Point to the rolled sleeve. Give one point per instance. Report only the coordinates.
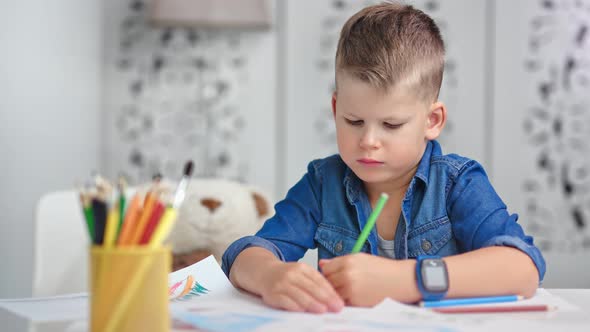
(290, 232)
(481, 219)
(232, 252)
(525, 245)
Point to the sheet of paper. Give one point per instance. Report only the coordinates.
(239, 311)
(569, 315)
(246, 313)
(243, 312)
(543, 296)
(200, 279)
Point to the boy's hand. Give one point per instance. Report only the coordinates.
(298, 287)
(365, 280)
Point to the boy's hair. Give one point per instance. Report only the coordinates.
(392, 44)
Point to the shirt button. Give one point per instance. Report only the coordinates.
(426, 245)
(338, 247)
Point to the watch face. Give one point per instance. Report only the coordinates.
(434, 275)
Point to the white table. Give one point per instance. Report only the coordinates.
(552, 321)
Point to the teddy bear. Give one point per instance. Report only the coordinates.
(215, 212)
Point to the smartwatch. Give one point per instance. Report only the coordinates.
(432, 277)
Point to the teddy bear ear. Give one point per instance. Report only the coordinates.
(262, 201)
(261, 204)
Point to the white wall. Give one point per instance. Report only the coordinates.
(50, 67)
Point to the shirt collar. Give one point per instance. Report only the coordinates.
(352, 184)
(423, 170)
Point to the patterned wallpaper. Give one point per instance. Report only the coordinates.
(557, 125)
(179, 98)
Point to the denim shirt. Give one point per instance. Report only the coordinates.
(450, 207)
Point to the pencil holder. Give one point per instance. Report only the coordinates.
(129, 289)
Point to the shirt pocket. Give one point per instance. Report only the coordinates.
(336, 240)
(429, 238)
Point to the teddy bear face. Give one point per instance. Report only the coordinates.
(216, 212)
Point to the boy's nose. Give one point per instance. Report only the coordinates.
(369, 140)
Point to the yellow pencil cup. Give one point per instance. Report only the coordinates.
(129, 289)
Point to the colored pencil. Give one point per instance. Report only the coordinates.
(492, 309)
(470, 300)
(131, 218)
(152, 223)
(99, 214)
(88, 214)
(112, 225)
(164, 228)
(148, 207)
(370, 223)
(122, 202)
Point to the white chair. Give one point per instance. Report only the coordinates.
(61, 245)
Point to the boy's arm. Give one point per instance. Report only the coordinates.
(492, 271)
(264, 264)
(365, 280)
(290, 232)
(483, 272)
(489, 271)
(480, 218)
(243, 275)
(290, 286)
(498, 258)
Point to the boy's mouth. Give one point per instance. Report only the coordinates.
(369, 162)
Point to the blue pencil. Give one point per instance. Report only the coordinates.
(470, 300)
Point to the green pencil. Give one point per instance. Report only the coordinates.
(88, 214)
(370, 223)
(122, 199)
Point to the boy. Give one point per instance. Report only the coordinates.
(444, 231)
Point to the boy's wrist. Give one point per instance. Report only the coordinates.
(250, 268)
(412, 293)
(404, 287)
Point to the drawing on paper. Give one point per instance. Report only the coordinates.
(235, 322)
(186, 289)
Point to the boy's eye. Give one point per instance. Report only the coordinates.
(392, 126)
(354, 122)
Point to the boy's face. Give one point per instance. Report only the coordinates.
(382, 135)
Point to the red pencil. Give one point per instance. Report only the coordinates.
(514, 308)
(152, 222)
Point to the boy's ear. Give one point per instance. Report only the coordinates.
(334, 103)
(436, 120)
